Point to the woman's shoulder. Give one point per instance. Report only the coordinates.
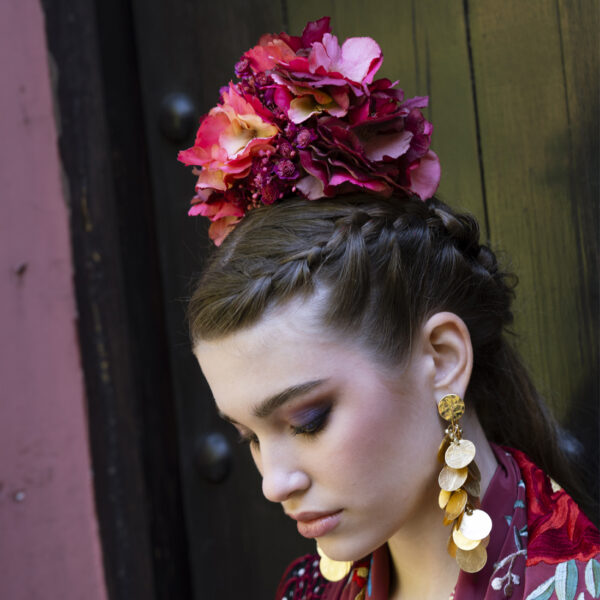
(302, 579)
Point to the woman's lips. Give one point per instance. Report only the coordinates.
(314, 525)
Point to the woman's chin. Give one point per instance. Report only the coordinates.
(345, 552)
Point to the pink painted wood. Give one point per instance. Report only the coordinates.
(49, 541)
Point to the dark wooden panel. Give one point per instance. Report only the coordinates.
(530, 156)
(119, 485)
(131, 413)
(192, 47)
(579, 25)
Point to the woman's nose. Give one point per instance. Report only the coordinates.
(282, 477)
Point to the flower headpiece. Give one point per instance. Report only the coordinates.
(307, 118)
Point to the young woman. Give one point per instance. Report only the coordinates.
(351, 328)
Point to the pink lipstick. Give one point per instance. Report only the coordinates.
(314, 525)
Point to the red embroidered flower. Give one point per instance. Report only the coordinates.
(558, 531)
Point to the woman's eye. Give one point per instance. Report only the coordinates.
(313, 425)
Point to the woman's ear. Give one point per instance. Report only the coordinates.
(448, 341)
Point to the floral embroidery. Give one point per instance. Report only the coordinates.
(563, 585)
(558, 530)
(303, 580)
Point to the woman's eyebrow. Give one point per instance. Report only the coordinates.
(268, 406)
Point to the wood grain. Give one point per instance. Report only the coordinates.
(527, 160)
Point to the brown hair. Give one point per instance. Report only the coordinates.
(386, 265)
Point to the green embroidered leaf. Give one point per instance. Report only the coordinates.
(592, 578)
(542, 591)
(566, 577)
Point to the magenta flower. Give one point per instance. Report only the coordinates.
(308, 117)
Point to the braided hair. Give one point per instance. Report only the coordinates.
(385, 266)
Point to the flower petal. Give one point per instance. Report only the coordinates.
(220, 229)
(314, 31)
(303, 108)
(361, 59)
(211, 178)
(270, 52)
(391, 145)
(425, 176)
(311, 186)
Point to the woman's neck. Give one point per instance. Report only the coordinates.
(421, 567)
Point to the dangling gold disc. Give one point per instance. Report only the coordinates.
(471, 561)
(448, 519)
(452, 548)
(451, 479)
(476, 526)
(459, 454)
(442, 449)
(474, 471)
(461, 541)
(451, 407)
(472, 486)
(456, 504)
(333, 570)
(443, 498)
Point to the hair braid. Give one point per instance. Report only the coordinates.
(385, 265)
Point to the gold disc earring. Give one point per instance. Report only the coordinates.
(333, 570)
(459, 481)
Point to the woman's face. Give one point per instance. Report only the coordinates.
(346, 446)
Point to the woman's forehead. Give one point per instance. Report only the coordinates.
(272, 352)
(282, 352)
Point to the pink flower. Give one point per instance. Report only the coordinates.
(228, 138)
(357, 60)
(381, 155)
(307, 117)
(270, 52)
(222, 209)
(280, 49)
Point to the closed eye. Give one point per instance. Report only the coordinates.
(314, 425)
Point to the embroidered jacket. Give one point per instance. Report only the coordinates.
(542, 547)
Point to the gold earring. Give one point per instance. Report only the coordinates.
(333, 570)
(459, 481)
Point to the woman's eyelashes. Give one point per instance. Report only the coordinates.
(312, 422)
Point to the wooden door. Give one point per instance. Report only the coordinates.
(239, 544)
(513, 90)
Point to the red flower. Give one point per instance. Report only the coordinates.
(228, 137)
(308, 117)
(558, 531)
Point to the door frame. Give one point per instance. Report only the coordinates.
(122, 336)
